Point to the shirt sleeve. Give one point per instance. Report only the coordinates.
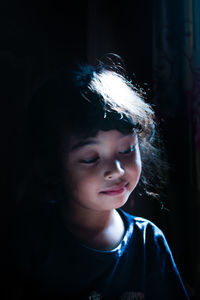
(163, 280)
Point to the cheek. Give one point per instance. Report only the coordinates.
(133, 166)
(138, 165)
(82, 179)
(137, 160)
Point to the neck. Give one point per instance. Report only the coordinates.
(86, 219)
(102, 230)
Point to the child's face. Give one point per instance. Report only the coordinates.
(102, 171)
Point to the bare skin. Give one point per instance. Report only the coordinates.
(100, 173)
(98, 230)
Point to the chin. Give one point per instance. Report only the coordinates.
(117, 203)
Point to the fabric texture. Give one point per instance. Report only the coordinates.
(52, 263)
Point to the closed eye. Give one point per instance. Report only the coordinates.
(128, 151)
(89, 161)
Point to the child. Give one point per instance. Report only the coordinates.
(92, 138)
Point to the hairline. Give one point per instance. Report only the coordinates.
(83, 142)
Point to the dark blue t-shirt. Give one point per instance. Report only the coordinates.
(53, 264)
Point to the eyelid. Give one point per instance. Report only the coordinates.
(89, 161)
(129, 150)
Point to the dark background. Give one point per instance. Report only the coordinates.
(37, 38)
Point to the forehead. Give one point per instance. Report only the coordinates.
(101, 137)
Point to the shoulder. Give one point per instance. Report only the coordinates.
(142, 224)
(145, 230)
(149, 242)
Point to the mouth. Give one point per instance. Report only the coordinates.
(115, 190)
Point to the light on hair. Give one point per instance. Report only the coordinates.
(119, 95)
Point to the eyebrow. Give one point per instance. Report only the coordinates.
(83, 144)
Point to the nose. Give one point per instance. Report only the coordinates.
(114, 171)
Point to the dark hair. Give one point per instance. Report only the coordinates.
(83, 102)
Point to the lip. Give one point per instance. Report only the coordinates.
(116, 189)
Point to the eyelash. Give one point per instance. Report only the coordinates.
(125, 152)
(90, 161)
(128, 151)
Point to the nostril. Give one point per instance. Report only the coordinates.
(114, 170)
